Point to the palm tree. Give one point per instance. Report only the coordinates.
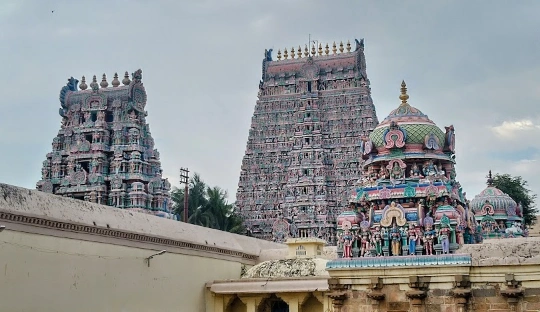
(197, 193)
(208, 207)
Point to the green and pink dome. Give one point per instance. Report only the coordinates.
(495, 203)
(407, 129)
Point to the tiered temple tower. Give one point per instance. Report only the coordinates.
(104, 152)
(303, 151)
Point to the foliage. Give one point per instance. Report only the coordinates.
(516, 188)
(207, 206)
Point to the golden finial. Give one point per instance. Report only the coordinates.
(299, 52)
(403, 96)
(334, 48)
(348, 46)
(115, 82)
(285, 54)
(292, 52)
(126, 80)
(341, 47)
(104, 83)
(320, 49)
(326, 49)
(279, 55)
(306, 52)
(313, 50)
(94, 85)
(83, 85)
(490, 179)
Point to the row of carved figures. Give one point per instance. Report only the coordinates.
(371, 242)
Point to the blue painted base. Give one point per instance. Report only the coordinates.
(403, 261)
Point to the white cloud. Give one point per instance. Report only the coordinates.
(510, 129)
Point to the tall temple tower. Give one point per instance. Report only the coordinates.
(104, 152)
(303, 151)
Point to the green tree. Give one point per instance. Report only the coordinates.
(516, 188)
(207, 206)
(196, 198)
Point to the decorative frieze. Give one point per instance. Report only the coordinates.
(118, 234)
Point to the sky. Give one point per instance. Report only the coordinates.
(474, 64)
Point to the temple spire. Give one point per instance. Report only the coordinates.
(403, 96)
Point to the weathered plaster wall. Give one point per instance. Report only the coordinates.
(44, 273)
(437, 300)
(59, 254)
(31, 202)
(504, 251)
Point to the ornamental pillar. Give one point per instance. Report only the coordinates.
(338, 293)
(252, 302)
(376, 295)
(513, 293)
(461, 292)
(417, 294)
(294, 300)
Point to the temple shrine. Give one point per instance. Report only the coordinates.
(302, 155)
(104, 152)
(497, 214)
(408, 201)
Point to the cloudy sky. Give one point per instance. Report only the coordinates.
(474, 64)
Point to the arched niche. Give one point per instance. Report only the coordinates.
(312, 304)
(236, 305)
(273, 304)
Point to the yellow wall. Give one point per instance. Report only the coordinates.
(45, 273)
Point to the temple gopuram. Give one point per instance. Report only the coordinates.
(302, 155)
(408, 201)
(104, 152)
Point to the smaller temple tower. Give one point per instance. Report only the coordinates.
(497, 214)
(408, 201)
(104, 152)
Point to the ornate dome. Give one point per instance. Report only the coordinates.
(288, 268)
(494, 202)
(415, 125)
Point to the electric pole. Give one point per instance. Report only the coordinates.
(184, 179)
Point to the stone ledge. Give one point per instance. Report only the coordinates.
(63, 215)
(117, 234)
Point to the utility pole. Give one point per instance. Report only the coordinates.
(184, 179)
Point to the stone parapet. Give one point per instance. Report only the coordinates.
(41, 213)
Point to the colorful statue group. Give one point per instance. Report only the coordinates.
(410, 239)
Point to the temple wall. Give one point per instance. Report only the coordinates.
(60, 254)
(494, 286)
(62, 274)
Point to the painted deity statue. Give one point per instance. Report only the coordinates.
(347, 240)
(416, 171)
(444, 239)
(430, 169)
(395, 235)
(397, 172)
(377, 242)
(364, 244)
(429, 237)
(460, 237)
(413, 238)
